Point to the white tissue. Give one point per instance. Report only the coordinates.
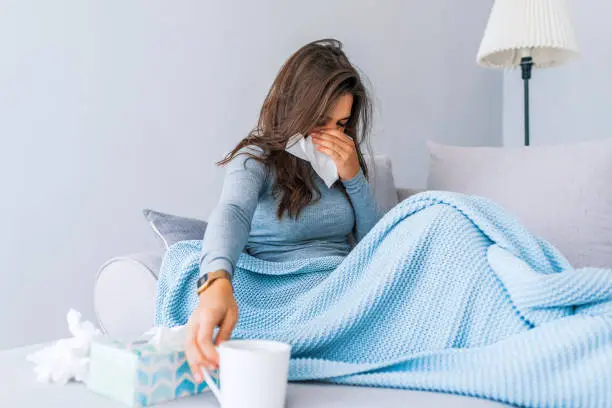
(168, 338)
(67, 359)
(322, 164)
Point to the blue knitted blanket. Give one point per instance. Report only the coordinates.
(446, 293)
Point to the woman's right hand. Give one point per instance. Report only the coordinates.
(217, 308)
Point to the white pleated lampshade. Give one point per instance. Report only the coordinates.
(540, 29)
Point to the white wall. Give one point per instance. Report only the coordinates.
(569, 103)
(107, 107)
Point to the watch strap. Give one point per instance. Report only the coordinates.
(208, 278)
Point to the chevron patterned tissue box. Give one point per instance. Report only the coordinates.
(139, 373)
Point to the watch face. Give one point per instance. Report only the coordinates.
(202, 280)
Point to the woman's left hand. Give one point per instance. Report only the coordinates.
(341, 148)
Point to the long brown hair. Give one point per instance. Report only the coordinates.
(305, 89)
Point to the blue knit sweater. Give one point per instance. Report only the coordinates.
(245, 219)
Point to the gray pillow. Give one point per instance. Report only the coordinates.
(173, 228)
(562, 193)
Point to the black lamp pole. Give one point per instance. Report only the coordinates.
(526, 65)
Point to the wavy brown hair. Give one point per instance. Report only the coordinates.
(306, 88)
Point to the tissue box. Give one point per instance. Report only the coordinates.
(140, 374)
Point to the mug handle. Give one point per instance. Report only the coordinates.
(211, 384)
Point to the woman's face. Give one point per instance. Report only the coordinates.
(339, 115)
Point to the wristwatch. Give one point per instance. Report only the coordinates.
(208, 278)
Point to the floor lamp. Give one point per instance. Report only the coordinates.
(528, 33)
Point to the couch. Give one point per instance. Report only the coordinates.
(573, 178)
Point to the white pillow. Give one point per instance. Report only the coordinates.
(381, 179)
(133, 280)
(562, 193)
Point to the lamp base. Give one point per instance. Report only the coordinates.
(526, 66)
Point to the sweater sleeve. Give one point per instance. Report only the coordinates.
(367, 211)
(229, 225)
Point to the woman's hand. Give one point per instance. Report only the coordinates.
(341, 148)
(217, 308)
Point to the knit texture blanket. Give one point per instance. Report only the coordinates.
(446, 293)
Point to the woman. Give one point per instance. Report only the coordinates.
(275, 204)
(445, 292)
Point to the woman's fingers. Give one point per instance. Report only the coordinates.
(225, 331)
(205, 340)
(336, 136)
(194, 355)
(342, 147)
(331, 153)
(332, 145)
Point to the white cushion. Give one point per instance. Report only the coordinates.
(562, 193)
(124, 295)
(381, 179)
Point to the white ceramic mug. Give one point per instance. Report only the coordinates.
(252, 373)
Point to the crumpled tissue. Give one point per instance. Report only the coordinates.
(67, 359)
(322, 164)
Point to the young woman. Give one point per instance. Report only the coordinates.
(273, 204)
(445, 292)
